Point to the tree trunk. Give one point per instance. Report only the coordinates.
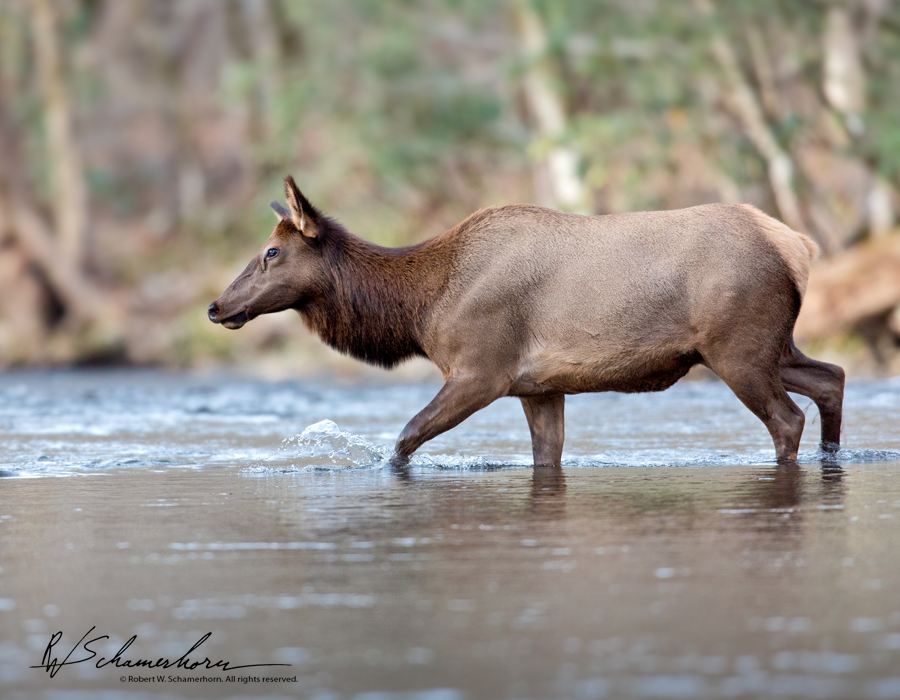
(844, 86)
(19, 218)
(743, 103)
(548, 111)
(69, 191)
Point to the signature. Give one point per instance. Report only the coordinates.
(52, 664)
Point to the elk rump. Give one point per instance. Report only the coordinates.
(525, 301)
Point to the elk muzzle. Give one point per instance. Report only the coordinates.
(232, 322)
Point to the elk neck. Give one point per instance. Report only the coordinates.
(375, 301)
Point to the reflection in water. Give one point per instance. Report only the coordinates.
(833, 486)
(548, 493)
(787, 489)
(783, 488)
(724, 582)
(832, 473)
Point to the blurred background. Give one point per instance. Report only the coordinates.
(141, 141)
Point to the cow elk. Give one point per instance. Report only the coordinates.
(529, 302)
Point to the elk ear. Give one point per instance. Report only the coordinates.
(304, 215)
(279, 210)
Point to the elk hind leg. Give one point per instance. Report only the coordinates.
(821, 382)
(762, 392)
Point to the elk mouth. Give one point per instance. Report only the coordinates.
(232, 323)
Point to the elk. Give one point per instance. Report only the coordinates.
(525, 301)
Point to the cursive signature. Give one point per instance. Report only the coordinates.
(52, 664)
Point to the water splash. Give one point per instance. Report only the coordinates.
(324, 444)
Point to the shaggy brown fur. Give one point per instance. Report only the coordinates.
(373, 304)
(530, 302)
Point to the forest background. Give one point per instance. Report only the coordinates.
(141, 141)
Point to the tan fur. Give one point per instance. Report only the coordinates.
(796, 248)
(529, 302)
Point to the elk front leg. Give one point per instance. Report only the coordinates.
(546, 421)
(458, 399)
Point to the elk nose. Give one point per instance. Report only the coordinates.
(212, 311)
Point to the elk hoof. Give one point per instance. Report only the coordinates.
(398, 462)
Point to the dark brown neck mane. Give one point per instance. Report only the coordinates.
(375, 300)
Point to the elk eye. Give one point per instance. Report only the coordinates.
(271, 253)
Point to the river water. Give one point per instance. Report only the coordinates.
(669, 558)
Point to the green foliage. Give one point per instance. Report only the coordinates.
(400, 117)
(372, 77)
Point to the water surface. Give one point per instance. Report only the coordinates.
(670, 557)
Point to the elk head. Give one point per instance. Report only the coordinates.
(284, 272)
